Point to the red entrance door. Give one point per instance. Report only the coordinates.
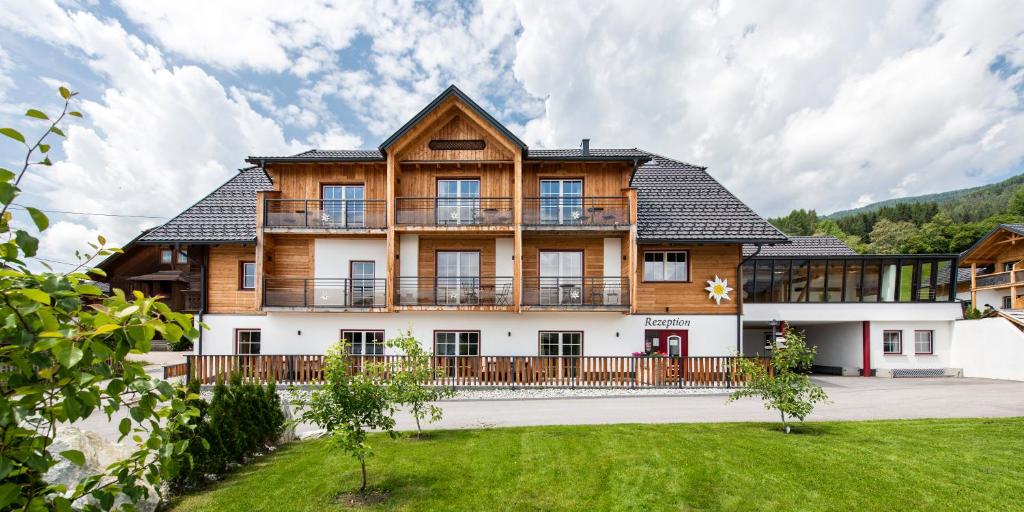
(668, 342)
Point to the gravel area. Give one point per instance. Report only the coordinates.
(537, 394)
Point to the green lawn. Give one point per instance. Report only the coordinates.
(880, 465)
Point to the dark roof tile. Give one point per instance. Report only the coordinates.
(805, 246)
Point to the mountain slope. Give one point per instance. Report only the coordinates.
(990, 198)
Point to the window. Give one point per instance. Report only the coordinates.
(165, 256)
(458, 277)
(362, 283)
(182, 257)
(458, 201)
(1007, 302)
(561, 201)
(1008, 266)
(364, 343)
(561, 344)
(247, 280)
(561, 277)
(665, 266)
(457, 343)
(923, 342)
(247, 341)
(892, 342)
(342, 205)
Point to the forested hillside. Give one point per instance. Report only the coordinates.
(936, 223)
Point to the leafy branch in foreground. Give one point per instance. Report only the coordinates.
(64, 357)
(409, 378)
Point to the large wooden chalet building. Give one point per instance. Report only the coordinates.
(454, 229)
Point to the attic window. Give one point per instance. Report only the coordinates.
(456, 145)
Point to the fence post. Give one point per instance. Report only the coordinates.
(679, 372)
(512, 370)
(188, 370)
(632, 371)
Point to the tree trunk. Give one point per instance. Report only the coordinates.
(785, 427)
(362, 463)
(419, 431)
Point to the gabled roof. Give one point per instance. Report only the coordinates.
(809, 246)
(681, 202)
(320, 155)
(976, 249)
(228, 214)
(448, 93)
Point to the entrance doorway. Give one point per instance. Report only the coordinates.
(670, 342)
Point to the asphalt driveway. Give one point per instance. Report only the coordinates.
(852, 398)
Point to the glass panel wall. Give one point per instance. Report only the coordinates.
(851, 279)
(853, 291)
(780, 281)
(835, 281)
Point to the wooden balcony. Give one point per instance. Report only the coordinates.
(323, 294)
(454, 292)
(999, 280)
(576, 293)
(322, 215)
(567, 212)
(454, 212)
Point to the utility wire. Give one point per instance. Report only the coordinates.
(97, 214)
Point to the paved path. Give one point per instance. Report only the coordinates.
(853, 398)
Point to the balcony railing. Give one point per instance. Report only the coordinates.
(325, 213)
(998, 279)
(454, 291)
(298, 292)
(453, 211)
(576, 292)
(575, 211)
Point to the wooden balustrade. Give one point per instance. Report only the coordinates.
(484, 371)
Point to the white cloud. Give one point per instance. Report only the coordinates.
(156, 140)
(811, 105)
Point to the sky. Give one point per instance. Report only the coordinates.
(824, 105)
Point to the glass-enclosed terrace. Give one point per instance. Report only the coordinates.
(863, 278)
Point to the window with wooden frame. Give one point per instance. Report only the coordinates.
(247, 341)
(566, 344)
(183, 257)
(924, 342)
(892, 342)
(247, 275)
(364, 343)
(457, 343)
(666, 266)
(166, 256)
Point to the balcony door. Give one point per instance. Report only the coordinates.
(458, 278)
(458, 201)
(361, 279)
(343, 205)
(561, 277)
(561, 201)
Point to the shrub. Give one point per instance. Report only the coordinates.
(240, 421)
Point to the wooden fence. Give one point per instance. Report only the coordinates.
(487, 371)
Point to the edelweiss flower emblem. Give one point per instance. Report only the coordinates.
(718, 289)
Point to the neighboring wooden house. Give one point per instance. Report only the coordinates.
(156, 270)
(996, 269)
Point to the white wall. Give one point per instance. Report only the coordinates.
(989, 348)
(846, 312)
(941, 345)
(504, 254)
(603, 333)
(331, 257)
(612, 257)
(839, 344)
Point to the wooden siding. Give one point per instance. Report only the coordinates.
(288, 255)
(705, 263)
(600, 179)
(455, 125)
(429, 246)
(420, 180)
(223, 280)
(304, 181)
(592, 247)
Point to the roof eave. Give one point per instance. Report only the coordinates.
(195, 242)
(302, 160)
(729, 241)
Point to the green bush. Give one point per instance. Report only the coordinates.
(240, 421)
